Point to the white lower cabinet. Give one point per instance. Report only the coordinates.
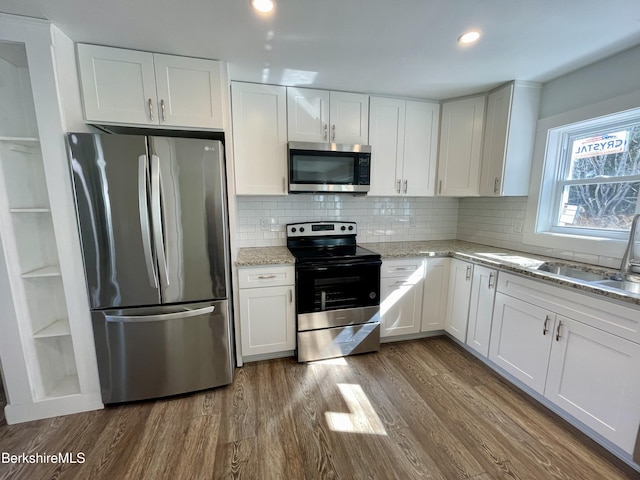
(267, 310)
(593, 376)
(434, 300)
(521, 340)
(401, 290)
(458, 298)
(483, 290)
(586, 371)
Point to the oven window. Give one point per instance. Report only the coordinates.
(319, 169)
(337, 287)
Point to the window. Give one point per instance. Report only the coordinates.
(592, 177)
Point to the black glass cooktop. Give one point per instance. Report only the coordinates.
(341, 252)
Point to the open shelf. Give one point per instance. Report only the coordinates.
(30, 210)
(57, 369)
(69, 385)
(24, 141)
(59, 328)
(48, 271)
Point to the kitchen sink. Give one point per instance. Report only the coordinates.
(571, 272)
(626, 285)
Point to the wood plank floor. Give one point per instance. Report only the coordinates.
(420, 409)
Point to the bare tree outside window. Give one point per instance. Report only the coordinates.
(601, 185)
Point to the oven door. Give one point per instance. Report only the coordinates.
(337, 285)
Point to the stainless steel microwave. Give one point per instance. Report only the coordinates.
(329, 168)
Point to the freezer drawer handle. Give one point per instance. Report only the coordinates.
(159, 318)
(144, 220)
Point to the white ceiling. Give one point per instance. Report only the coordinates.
(405, 48)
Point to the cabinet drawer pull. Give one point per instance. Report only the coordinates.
(150, 110)
(404, 269)
(440, 187)
(406, 184)
(398, 187)
(496, 183)
(468, 275)
(164, 116)
(333, 132)
(558, 331)
(326, 130)
(491, 282)
(290, 296)
(266, 277)
(545, 330)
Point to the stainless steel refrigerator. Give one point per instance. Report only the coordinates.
(153, 222)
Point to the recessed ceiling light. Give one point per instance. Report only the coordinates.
(467, 38)
(263, 6)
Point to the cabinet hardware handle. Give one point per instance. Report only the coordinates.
(326, 129)
(491, 283)
(266, 277)
(398, 187)
(468, 276)
(290, 296)
(406, 183)
(558, 331)
(495, 185)
(150, 110)
(400, 282)
(440, 187)
(284, 185)
(164, 116)
(545, 330)
(402, 269)
(333, 131)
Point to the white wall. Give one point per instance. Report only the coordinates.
(612, 77)
(380, 219)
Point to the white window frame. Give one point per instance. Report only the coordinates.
(537, 232)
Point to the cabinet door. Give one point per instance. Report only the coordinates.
(434, 300)
(521, 337)
(458, 297)
(461, 147)
(495, 140)
(483, 289)
(259, 138)
(267, 320)
(307, 115)
(118, 86)
(386, 132)
(420, 148)
(349, 115)
(593, 375)
(400, 306)
(189, 91)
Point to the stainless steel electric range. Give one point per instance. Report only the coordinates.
(337, 291)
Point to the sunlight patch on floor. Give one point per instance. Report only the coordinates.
(362, 419)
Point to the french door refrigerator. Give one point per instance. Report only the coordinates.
(153, 223)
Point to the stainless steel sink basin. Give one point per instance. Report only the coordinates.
(571, 272)
(625, 285)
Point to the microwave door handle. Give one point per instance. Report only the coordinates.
(143, 208)
(156, 215)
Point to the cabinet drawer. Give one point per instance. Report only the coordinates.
(267, 276)
(412, 268)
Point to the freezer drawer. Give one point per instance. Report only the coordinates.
(154, 352)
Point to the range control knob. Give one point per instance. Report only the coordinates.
(294, 230)
(301, 229)
(343, 228)
(350, 227)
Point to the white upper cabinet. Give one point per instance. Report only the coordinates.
(131, 87)
(510, 127)
(461, 129)
(259, 138)
(327, 117)
(404, 137)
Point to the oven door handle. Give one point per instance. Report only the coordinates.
(320, 267)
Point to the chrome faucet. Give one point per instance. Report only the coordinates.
(629, 259)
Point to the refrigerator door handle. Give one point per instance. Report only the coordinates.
(156, 215)
(159, 318)
(144, 220)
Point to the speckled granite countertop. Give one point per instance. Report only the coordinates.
(256, 256)
(507, 260)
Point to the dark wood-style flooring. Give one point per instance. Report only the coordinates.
(418, 409)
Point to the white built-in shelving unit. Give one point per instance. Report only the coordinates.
(47, 355)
